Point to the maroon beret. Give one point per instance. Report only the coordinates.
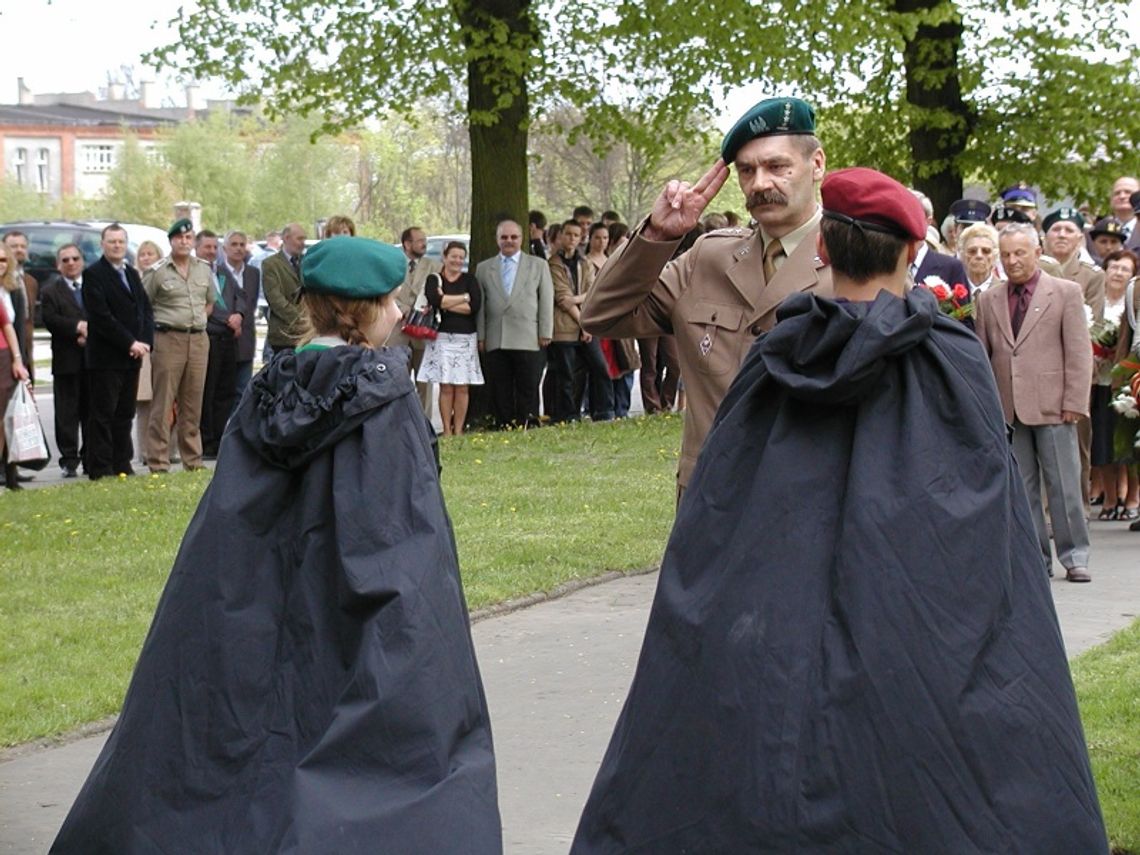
(866, 198)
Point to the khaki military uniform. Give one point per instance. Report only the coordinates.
(714, 299)
(178, 362)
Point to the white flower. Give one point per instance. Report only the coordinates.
(1126, 405)
(1089, 319)
(932, 281)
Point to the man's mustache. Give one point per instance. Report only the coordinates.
(766, 197)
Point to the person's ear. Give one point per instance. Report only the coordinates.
(821, 249)
(912, 252)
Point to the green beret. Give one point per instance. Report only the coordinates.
(770, 117)
(180, 227)
(1068, 215)
(353, 267)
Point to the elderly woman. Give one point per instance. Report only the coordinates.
(309, 682)
(1114, 472)
(978, 251)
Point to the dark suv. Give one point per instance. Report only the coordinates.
(44, 238)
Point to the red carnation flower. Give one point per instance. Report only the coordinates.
(941, 292)
(960, 292)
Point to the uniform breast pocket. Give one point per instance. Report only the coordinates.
(712, 333)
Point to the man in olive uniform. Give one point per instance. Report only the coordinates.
(1064, 237)
(722, 293)
(181, 291)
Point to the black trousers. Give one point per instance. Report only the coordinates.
(567, 360)
(70, 393)
(218, 393)
(110, 413)
(512, 379)
(660, 372)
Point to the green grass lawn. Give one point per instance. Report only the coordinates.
(83, 564)
(1108, 691)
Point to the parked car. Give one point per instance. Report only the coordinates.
(436, 243)
(45, 238)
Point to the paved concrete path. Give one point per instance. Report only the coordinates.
(556, 675)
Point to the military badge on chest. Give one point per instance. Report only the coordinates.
(705, 344)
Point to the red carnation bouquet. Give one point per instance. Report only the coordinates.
(953, 300)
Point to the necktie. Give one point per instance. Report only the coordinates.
(508, 274)
(296, 262)
(772, 251)
(1019, 309)
(77, 290)
(411, 268)
(123, 278)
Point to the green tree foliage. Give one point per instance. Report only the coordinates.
(928, 90)
(140, 188)
(213, 162)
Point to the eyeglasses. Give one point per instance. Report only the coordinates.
(71, 258)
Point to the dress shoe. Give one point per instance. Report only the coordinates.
(1135, 526)
(1077, 574)
(69, 472)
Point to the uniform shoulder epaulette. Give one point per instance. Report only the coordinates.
(1048, 259)
(1089, 264)
(200, 260)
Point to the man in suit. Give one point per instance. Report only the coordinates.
(418, 269)
(515, 323)
(722, 293)
(223, 329)
(1120, 200)
(1033, 327)
(281, 279)
(120, 331)
(571, 346)
(930, 264)
(61, 299)
(248, 278)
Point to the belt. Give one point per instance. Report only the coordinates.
(169, 328)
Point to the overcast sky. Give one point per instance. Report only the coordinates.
(70, 45)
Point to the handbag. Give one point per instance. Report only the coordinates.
(422, 320)
(27, 442)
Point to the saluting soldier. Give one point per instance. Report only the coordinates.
(720, 295)
(181, 290)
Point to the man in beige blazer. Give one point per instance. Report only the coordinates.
(721, 294)
(1033, 327)
(515, 324)
(419, 267)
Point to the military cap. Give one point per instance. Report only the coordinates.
(969, 211)
(1134, 200)
(353, 267)
(1002, 214)
(1067, 215)
(1108, 226)
(868, 199)
(1019, 194)
(180, 227)
(770, 117)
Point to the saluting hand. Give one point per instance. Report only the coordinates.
(679, 207)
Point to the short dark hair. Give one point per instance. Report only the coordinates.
(611, 215)
(455, 244)
(573, 223)
(406, 234)
(617, 232)
(1126, 254)
(537, 218)
(14, 233)
(583, 211)
(74, 246)
(861, 253)
(599, 227)
(114, 227)
(202, 235)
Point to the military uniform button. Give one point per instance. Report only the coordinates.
(756, 329)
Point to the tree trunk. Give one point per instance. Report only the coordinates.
(941, 123)
(498, 120)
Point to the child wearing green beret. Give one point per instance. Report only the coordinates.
(309, 682)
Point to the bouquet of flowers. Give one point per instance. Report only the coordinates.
(1126, 437)
(1105, 334)
(953, 301)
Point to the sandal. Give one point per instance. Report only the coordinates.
(1128, 514)
(1106, 514)
(1099, 500)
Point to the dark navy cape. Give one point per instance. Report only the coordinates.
(309, 683)
(852, 648)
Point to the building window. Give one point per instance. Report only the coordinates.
(98, 158)
(43, 170)
(21, 166)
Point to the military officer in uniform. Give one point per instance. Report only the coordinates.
(722, 293)
(181, 290)
(1064, 238)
